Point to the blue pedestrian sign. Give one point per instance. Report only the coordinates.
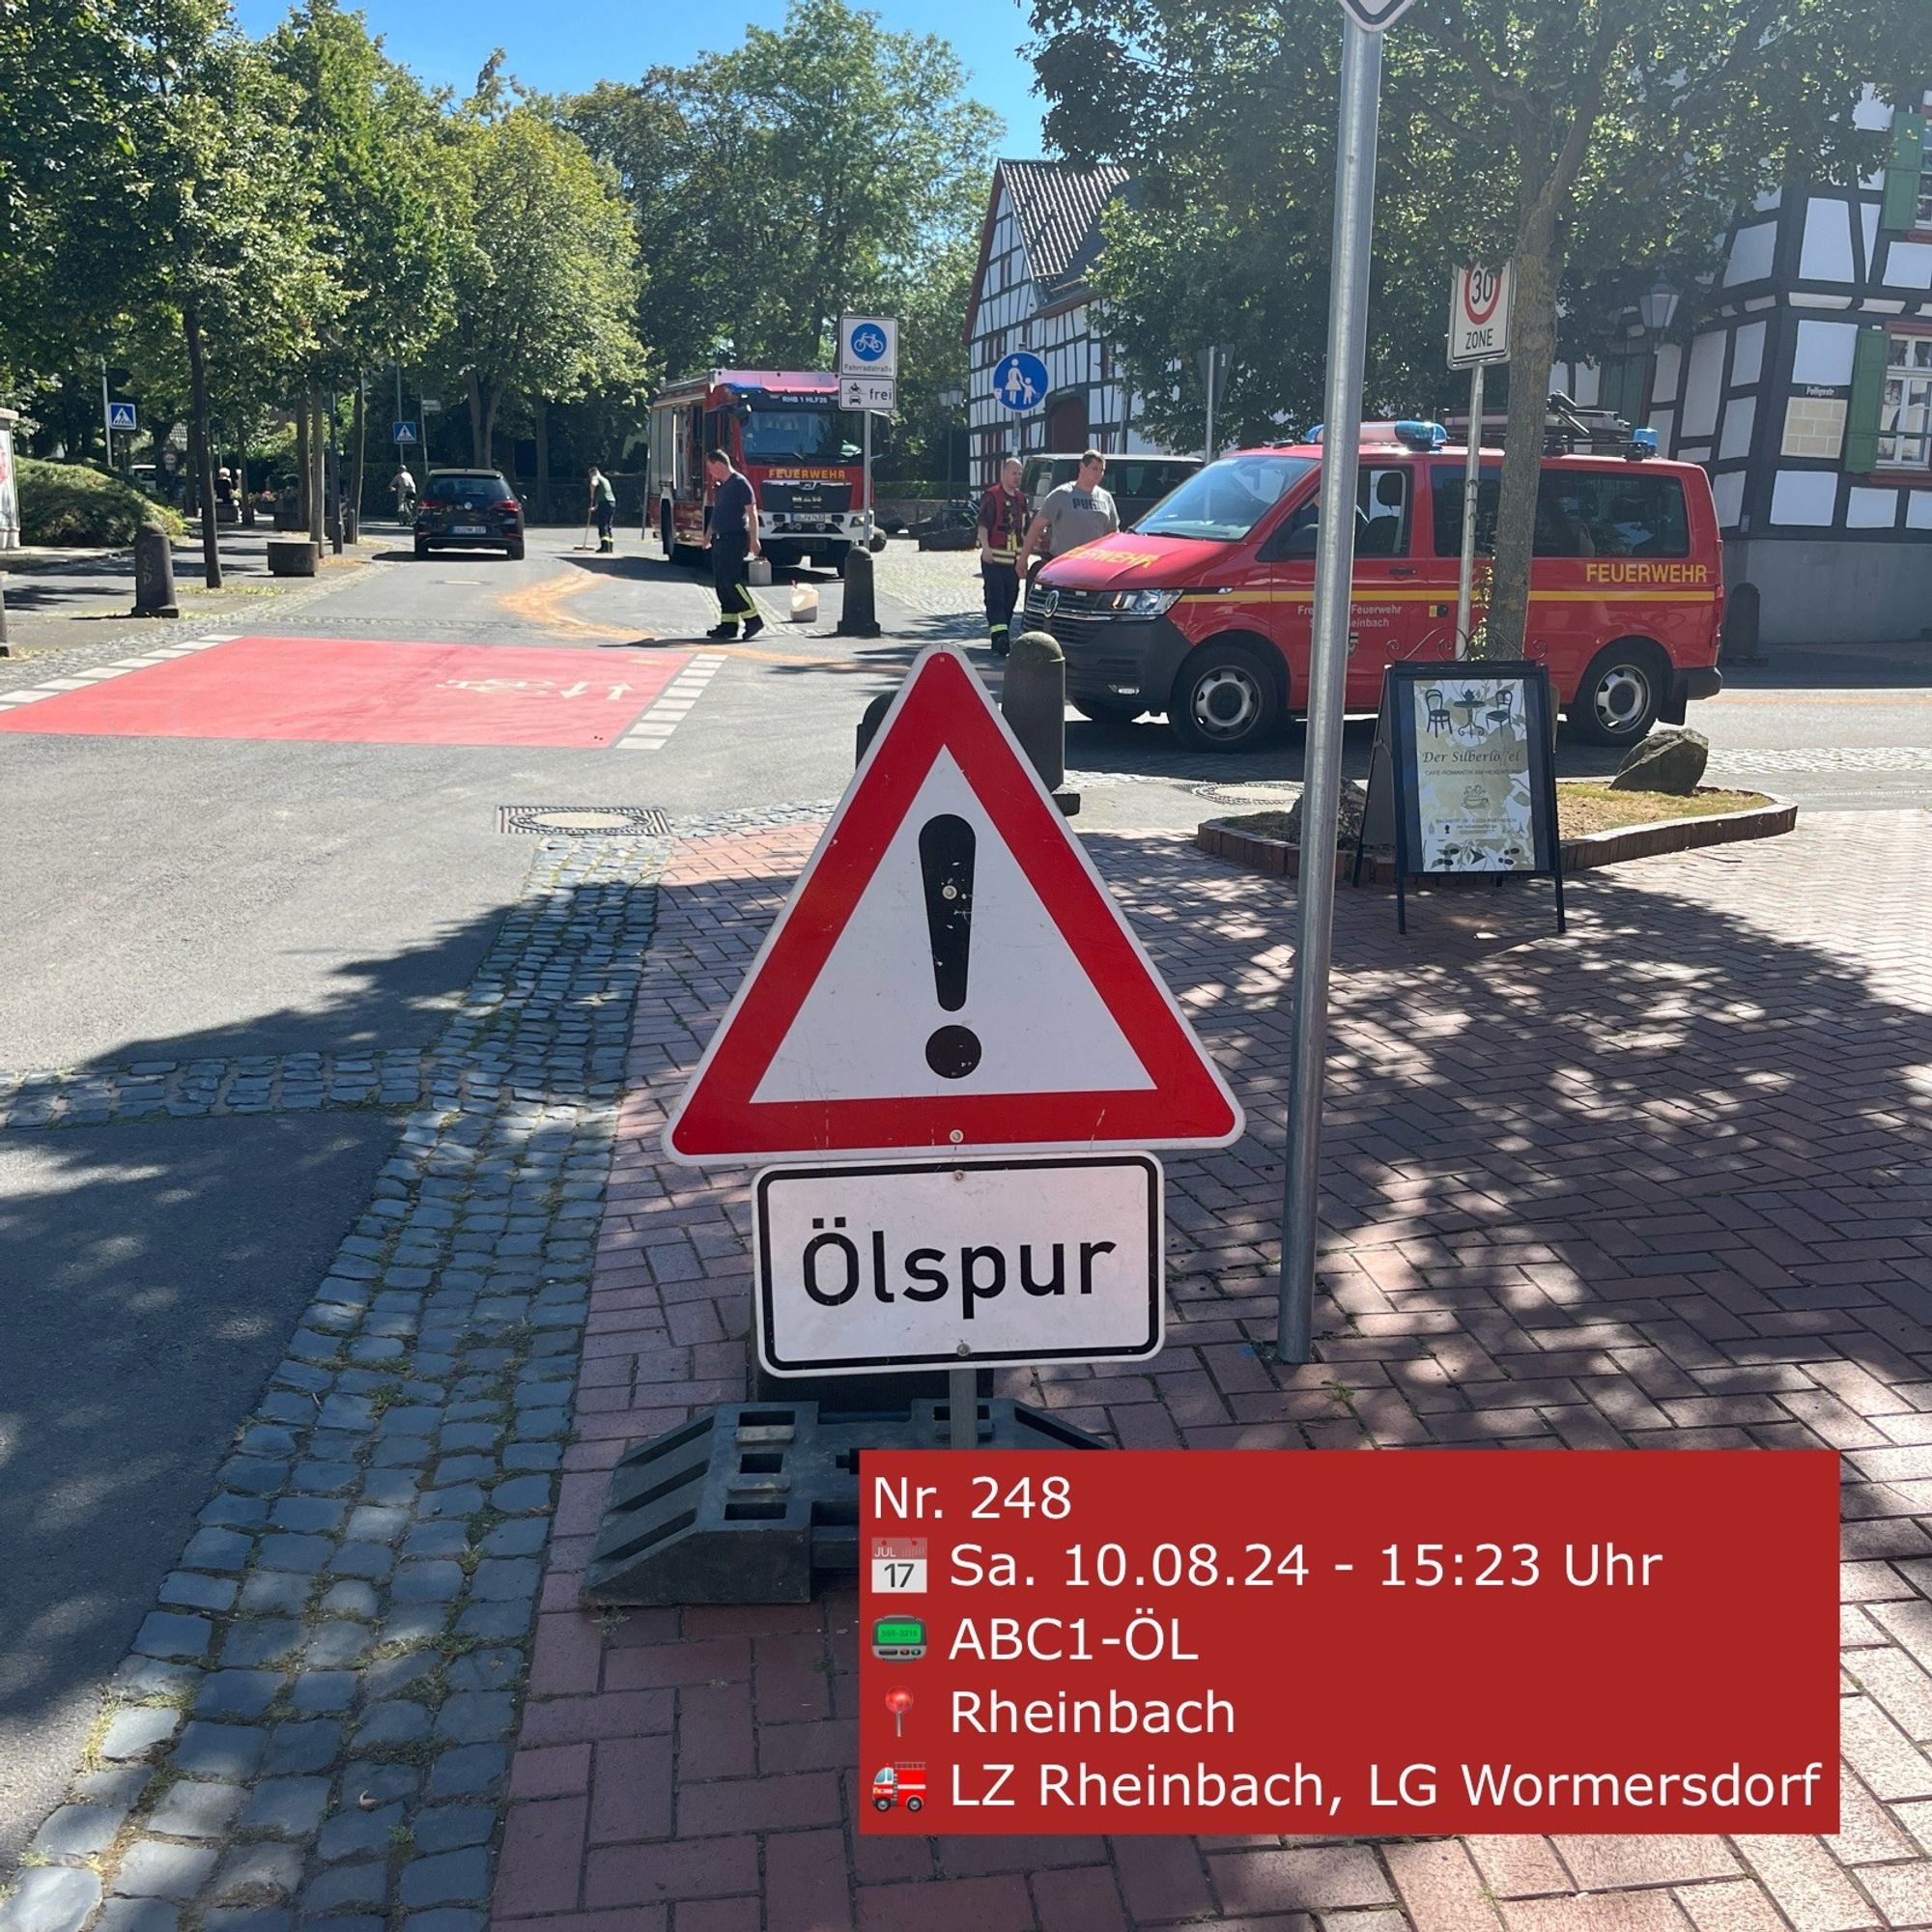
(1019, 383)
(401, 432)
(120, 415)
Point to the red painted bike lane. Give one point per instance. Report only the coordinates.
(343, 691)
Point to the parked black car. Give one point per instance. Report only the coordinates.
(468, 509)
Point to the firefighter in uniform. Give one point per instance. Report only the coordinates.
(732, 539)
(1003, 522)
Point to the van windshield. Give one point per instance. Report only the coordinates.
(1228, 499)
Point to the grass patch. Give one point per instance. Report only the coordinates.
(1580, 808)
(1594, 806)
(74, 505)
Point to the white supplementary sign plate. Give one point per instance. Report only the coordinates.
(941, 1263)
(878, 395)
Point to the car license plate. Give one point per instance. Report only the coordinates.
(468, 530)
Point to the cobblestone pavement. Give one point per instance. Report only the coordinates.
(316, 1719)
(1664, 1183)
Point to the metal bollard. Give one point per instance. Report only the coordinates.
(860, 616)
(1033, 702)
(154, 573)
(6, 645)
(869, 724)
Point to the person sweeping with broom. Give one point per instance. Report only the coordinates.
(604, 507)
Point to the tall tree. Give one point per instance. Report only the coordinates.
(1589, 141)
(544, 270)
(372, 143)
(226, 243)
(829, 165)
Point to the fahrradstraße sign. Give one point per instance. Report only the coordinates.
(1479, 316)
(868, 345)
(1373, 15)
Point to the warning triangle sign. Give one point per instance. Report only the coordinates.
(949, 973)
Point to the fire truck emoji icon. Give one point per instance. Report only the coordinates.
(899, 1784)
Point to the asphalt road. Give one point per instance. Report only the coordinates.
(153, 1271)
(185, 896)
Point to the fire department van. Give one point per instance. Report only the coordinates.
(1203, 610)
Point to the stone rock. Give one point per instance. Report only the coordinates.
(1349, 822)
(1671, 760)
(51, 1898)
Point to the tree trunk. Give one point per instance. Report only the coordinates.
(332, 480)
(204, 449)
(543, 460)
(1532, 350)
(241, 495)
(318, 494)
(477, 457)
(490, 427)
(302, 463)
(360, 471)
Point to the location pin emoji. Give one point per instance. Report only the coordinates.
(898, 1703)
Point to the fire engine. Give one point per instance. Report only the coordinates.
(901, 1784)
(786, 432)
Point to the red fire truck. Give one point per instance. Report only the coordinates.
(786, 432)
(899, 1784)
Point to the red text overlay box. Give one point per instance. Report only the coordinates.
(1332, 1642)
(347, 691)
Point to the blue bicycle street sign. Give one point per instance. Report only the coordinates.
(1020, 383)
(868, 345)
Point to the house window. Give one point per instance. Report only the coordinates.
(1905, 413)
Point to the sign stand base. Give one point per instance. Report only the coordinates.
(753, 1502)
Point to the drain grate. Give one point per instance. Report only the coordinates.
(583, 821)
(1256, 793)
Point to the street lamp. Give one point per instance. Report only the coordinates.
(950, 399)
(1657, 305)
(1655, 308)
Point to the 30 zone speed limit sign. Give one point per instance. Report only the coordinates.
(1479, 313)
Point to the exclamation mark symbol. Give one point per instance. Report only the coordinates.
(946, 860)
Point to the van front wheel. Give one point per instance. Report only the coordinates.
(1620, 693)
(1226, 698)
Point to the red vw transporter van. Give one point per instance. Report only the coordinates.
(1203, 610)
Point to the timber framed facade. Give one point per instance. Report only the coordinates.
(1040, 237)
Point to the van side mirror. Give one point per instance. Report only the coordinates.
(1301, 541)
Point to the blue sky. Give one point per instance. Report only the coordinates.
(569, 45)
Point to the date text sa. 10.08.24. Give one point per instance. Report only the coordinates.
(1422, 1566)
(1171, 1564)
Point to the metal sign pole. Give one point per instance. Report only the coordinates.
(865, 465)
(106, 414)
(1472, 476)
(1321, 766)
(1213, 356)
(962, 1403)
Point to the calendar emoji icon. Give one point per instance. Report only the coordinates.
(898, 1563)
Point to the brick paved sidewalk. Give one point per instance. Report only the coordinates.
(1666, 1183)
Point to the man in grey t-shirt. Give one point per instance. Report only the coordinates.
(1073, 514)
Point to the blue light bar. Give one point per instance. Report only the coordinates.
(1644, 441)
(1421, 435)
(1314, 434)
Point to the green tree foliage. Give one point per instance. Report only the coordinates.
(544, 270)
(1591, 141)
(831, 165)
(371, 143)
